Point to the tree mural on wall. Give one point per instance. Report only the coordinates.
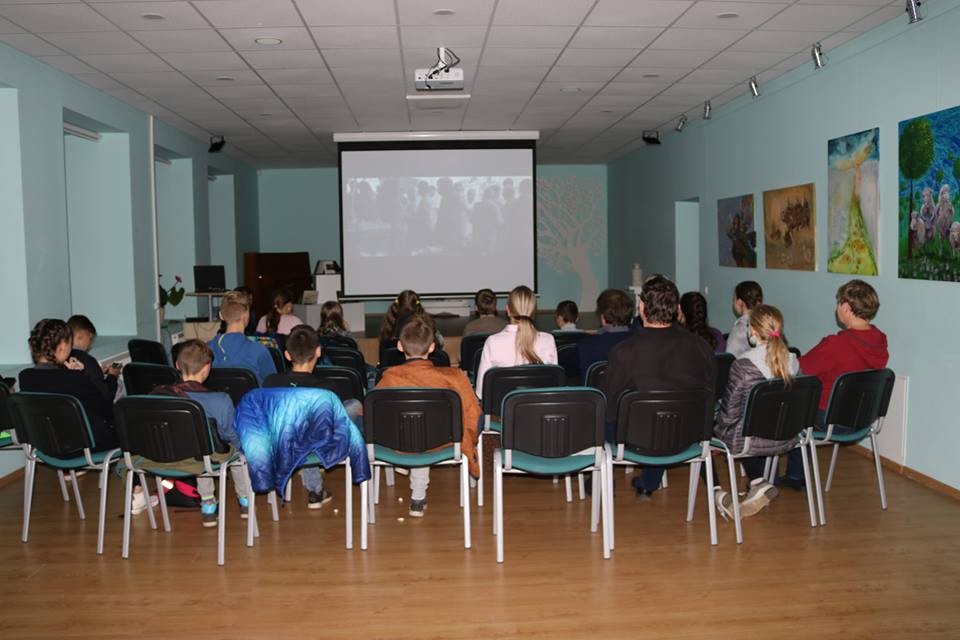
(571, 229)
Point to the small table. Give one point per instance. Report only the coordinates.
(209, 295)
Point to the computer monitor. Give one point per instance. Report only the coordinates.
(210, 278)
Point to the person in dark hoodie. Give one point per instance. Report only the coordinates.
(859, 346)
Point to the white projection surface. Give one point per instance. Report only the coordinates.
(438, 221)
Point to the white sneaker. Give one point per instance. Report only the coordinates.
(760, 494)
(139, 504)
(724, 503)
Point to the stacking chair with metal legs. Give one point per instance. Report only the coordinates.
(141, 378)
(556, 431)
(780, 412)
(148, 351)
(170, 437)
(659, 428)
(53, 429)
(858, 405)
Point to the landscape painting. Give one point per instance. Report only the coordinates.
(736, 232)
(790, 228)
(929, 242)
(853, 203)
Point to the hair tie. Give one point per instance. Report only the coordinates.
(774, 334)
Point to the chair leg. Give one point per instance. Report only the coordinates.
(833, 464)
(253, 526)
(568, 484)
(711, 501)
(104, 482)
(372, 496)
(63, 486)
(376, 486)
(812, 464)
(766, 467)
(595, 501)
(163, 505)
(605, 511)
(127, 499)
(692, 490)
(146, 494)
(774, 463)
(222, 515)
(348, 498)
(876, 460)
(273, 499)
(498, 503)
(581, 486)
(288, 491)
(465, 491)
(480, 477)
(734, 497)
(28, 476)
(390, 476)
(612, 511)
(815, 464)
(664, 482)
(76, 494)
(364, 513)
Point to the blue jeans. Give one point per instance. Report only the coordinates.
(795, 458)
(312, 477)
(650, 477)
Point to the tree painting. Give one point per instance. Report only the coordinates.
(929, 228)
(853, 197)
(736, 232)
(571, 229)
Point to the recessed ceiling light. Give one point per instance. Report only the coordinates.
(651, 75)
(226, 78)
(606, 110)
(728, 15)
(265, 114)
(443, 12)
(570, 89)
(153, 16)
(268, 41)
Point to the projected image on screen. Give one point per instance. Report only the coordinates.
(437, 220)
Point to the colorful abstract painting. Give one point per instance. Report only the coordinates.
(789, 228)
(736, 232)
(929, 242)
(853, 203)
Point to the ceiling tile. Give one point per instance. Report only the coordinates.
(615, 37)
(531, 75)
(556, 12)
(363, 58)
(221, 60)
(605, 101)
(506, 57)
(56, 18)
(751, 61)
(153, 79)
(368, 37)
(778, 41)
(586, 89)
(718, 76)
(283, 59)
(30, 44)
(95, 42)
(704, 89)
(433, 37)
(582, 74)
(651, 74)
(126, 62)
(8, 27)
(372, 75)
(293, 38)
(877, 18)
(347, 12)
(182, 41)
(306, 90)
(634, 89)
(874, 3)
(596, 57)
(671, 58)
(248, 91)
(421, 58)
(676, 103)
(704, 15)
(818, 17)
(131, 96)
(249, 13)
(697, 39)
(631, 13)
(296, 76)
(525, 37)
(466, 12)
(837, 39)
(129, 15)
(98, 80)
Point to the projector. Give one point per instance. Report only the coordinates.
(450, 79)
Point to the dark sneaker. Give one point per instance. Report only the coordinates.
(317, 500)
(797, 484)
(244, 507)
(208, 513)
(417, 507)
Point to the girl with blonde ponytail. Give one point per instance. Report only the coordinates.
(767, 358)
(519, 342)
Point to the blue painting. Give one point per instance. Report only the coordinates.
(736, 232)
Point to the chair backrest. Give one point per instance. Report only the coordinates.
(595, 375)
(724, 362)
(163, 429)
(568, 337)
(278, 360)
(569, 358)
(391, 357)
(6, 422)
(149, 351)
(343, 381)
(663, 423)
(776, 411)
(140, 378)
(553, 423)
(412, 420)
(334, 340)
(351, 358)
(500, 381)
(233, 381)
(439, 358)
(53, 423)
(860, 398)
(470, 345)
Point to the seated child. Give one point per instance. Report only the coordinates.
(280, 318)
(487, 319)
(416, 342)
(194, 361)
(747, 295)
(615, 310)
(232, 349)
(332, 322)
(693, 316)
(84, 333)
(567, 315)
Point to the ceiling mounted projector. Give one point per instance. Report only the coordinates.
(442, 76)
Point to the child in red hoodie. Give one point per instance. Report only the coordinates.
(859, 346)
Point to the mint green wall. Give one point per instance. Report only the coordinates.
(889, 74)
(99, 215)
(176, 234)
(13, 262)
(223, 226)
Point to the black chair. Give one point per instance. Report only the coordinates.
(169, 437)
(415, 428)
(794, 351)
(500, 381)
(175, 351)
(391, 357)
(278, 360)
(233, 381)
(568, 337)
(470, 346)
(724, 362)
(350, 358)
(569, 358)
(663, 428)
(148, 351)
(548, 432)
(54, 430)
(343, 381)
(345, 342)
(140, 378)
(8, 435)
(858, 402)
(439, 358)
(781, 412)
(596, 375)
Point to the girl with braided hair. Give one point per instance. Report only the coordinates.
(693, 316)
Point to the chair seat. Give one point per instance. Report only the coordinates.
(181, 469)
(693, 451)
(401, 459)
(495, 427)
(550, 466)
(76, 462)
(854, 436)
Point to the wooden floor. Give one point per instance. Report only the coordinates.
(867, 574)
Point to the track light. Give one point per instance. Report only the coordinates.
(754, 87)
(681, 123)
(913, 10)
(816, 52)
(651, 136)
(216, 144)
(707, 108)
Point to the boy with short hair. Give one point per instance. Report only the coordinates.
(615, 310)
(194, 361)
(567, 315)
(84, 333)
(232, 349)
(860, 345)
(747, 295)
(416, 342)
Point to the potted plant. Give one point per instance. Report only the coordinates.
(173, 295)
